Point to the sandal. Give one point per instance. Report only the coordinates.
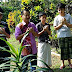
(70, 65)
(62, 67)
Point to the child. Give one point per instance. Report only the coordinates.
(44, 51)
(63, 23)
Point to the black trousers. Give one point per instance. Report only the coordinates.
(4, 54)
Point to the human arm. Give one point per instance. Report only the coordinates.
(40, 30)
(18, 33)
(31, 30)
(20, 36)
(40, 33)
(47, 29)
(69, 24)
(58, 26)
(2, 31)
(49, 32)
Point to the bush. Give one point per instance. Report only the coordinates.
(6, 11)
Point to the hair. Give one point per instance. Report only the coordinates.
(42, 13)
(25, 10)
(61, 5)
(1, 10)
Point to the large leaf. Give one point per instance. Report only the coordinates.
(3, 64)
(13, 60)
(26, 34)
(21, 48)
(26, 57)
(28, 62)
(45, 64)
(4, 49)
(10, 46)
(15, 70)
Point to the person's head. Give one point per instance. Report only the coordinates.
(25, 15)
(42, 17)
(61, 8)
(1, 13)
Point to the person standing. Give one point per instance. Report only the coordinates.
(4, 33)
(20, 31)
(63, 23)
(44, 51)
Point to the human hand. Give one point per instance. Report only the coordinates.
(27, 30)
(45, 28)
(31, 30)
(2, 30)
(63, 21)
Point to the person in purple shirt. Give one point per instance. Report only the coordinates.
(20, 31)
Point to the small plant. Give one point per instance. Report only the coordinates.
(17, 62)
(16, 57)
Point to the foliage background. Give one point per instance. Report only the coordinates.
(12, 15)
(12, 10)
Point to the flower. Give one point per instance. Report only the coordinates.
(14, 17)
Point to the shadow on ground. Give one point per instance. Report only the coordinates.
(63, 70)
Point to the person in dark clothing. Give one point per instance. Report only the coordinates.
(44, 51)
(4, 33)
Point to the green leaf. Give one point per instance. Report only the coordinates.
(13, 60)
(21, 47)
(15, 70)
(45, 64)
(21, 50)
(10, 46)
(26, 57)
(4, 49)
(3, 64)
(41, 0)
(26, 34)
(1, 26)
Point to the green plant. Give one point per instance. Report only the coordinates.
(53, 33)
(16, 56)
(16, 59)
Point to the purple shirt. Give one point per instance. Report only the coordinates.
(19, 32)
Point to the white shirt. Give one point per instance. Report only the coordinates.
(64, 31)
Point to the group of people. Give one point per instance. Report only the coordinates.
(62, 23)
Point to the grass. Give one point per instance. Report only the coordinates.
(58, 51)
(13, 41)
(56, 62)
